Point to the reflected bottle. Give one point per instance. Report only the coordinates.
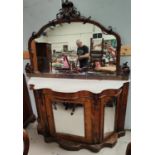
(65, 62)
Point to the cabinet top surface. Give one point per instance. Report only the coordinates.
(74, 85)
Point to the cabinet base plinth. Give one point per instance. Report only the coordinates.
(75, 146)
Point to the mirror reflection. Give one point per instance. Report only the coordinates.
(76, 48)
(109, 117)
(69, 118)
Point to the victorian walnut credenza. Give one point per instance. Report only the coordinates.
(80, 88)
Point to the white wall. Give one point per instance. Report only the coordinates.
(68, 34)
(115, 13)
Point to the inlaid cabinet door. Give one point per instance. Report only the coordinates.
(69, 118)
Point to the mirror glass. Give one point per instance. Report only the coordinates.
(69, 118)
(109, 117)
(76, 48)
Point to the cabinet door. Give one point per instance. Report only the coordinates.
(68, 119)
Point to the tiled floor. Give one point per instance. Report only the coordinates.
(39, 147)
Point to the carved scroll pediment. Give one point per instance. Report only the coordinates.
(68, 11)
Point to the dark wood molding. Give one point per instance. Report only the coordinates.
(29, 120)
(78, 76)
(28, 115)
(122, 110)
(26, 142)
(128, 150)
(75, 146)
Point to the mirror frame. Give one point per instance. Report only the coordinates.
(69, 14)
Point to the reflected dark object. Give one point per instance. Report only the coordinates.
(55, 105)
(65, 48)
(67, 70)
(70, 106)
(99, 35)
(44, 56)
(125, 68)
(43, 64)
(67, 106)
(84, 69)
(73, 65)
(95, 35)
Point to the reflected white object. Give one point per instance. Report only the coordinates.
(67, 123)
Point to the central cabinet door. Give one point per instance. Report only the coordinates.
(69, 117)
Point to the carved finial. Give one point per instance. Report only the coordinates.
(68, 11)
(125, 64)
(33, 33)
(126, 68)
(87, 20)
(28, 68)
(110, 29)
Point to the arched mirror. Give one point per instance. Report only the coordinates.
(74, 45)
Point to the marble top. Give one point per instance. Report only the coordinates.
(74, 85)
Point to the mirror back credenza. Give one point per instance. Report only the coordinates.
(80, 88)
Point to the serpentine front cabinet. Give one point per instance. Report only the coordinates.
(76, 118)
